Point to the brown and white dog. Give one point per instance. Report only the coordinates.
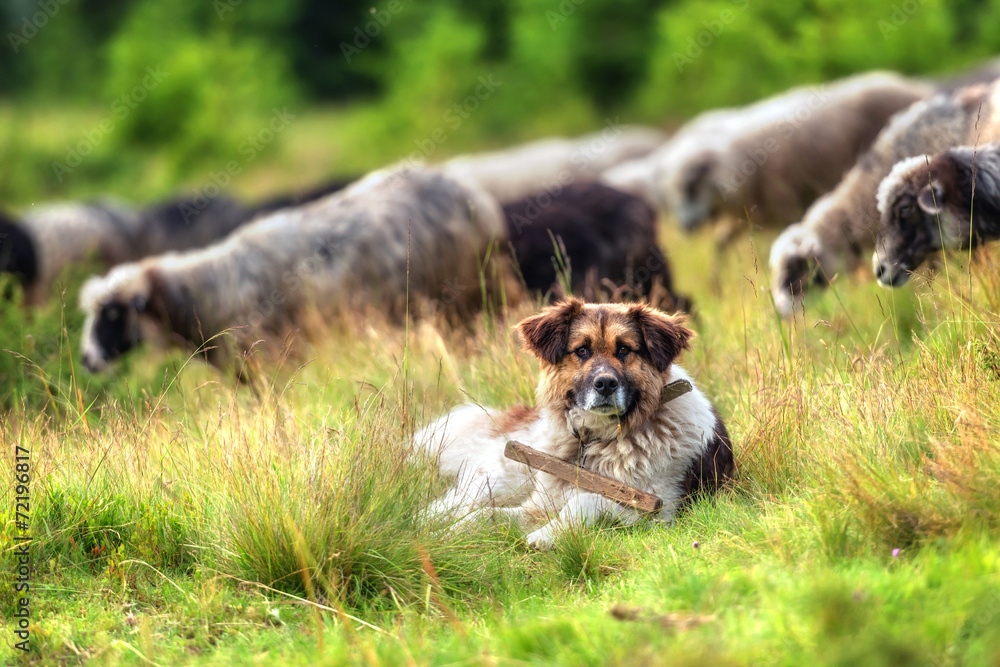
(603, 368)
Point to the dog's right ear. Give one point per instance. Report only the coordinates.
(546, 335)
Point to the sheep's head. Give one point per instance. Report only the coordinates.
(794, 265)
(691, 190)
(114, 305)
(924, 205)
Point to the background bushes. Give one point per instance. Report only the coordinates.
(565, 66)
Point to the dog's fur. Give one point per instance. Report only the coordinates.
(927, 203)
(603, 368)
(604, 235)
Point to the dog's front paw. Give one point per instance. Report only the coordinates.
(542, 539)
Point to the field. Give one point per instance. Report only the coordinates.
(179, 519)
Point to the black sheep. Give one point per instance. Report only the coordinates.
(606, 238)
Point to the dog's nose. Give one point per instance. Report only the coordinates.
(605, 384)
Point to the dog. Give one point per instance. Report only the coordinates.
(598, 403)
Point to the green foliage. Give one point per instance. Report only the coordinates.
(559, 67)
(173, 513)
(704, 51)
(429, 76)
(872, 429)
(196, 94)
(40, 365)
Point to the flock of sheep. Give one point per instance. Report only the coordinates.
(877, 164)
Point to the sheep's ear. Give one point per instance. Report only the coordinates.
(546, 335)
(931, 198)
(665, 335)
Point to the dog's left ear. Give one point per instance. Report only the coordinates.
(546, 335)
(665, 335)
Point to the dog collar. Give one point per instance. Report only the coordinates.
(675, 389)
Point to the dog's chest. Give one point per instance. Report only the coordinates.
(624, 458)
(602, 448)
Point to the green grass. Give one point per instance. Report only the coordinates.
(178, 519)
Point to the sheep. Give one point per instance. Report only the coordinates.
(55, 236)
(950, 200)
(292, 200)
(520, 172)
(838, 229)
(49, 238)
(642, 176)
(186, 222)
(984, 72)
(772, 159)
(398, 239)
(17, 251)
(603, 235)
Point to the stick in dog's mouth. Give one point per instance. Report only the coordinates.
(588, 481)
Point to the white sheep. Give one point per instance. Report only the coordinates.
(395, 239)
(771, 159)
(549, 164)
(840, 228)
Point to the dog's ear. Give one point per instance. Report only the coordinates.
(546, 335)
(665, 336)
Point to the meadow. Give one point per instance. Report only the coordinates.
(177, 518)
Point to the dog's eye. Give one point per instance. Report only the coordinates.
(623, 351)
(583, 352)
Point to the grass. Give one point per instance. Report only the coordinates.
(178, 519)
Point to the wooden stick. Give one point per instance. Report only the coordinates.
(675, 389)
(612, 489)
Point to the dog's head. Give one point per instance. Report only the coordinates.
(609, 361)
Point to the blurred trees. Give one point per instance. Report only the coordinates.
(563, 66)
